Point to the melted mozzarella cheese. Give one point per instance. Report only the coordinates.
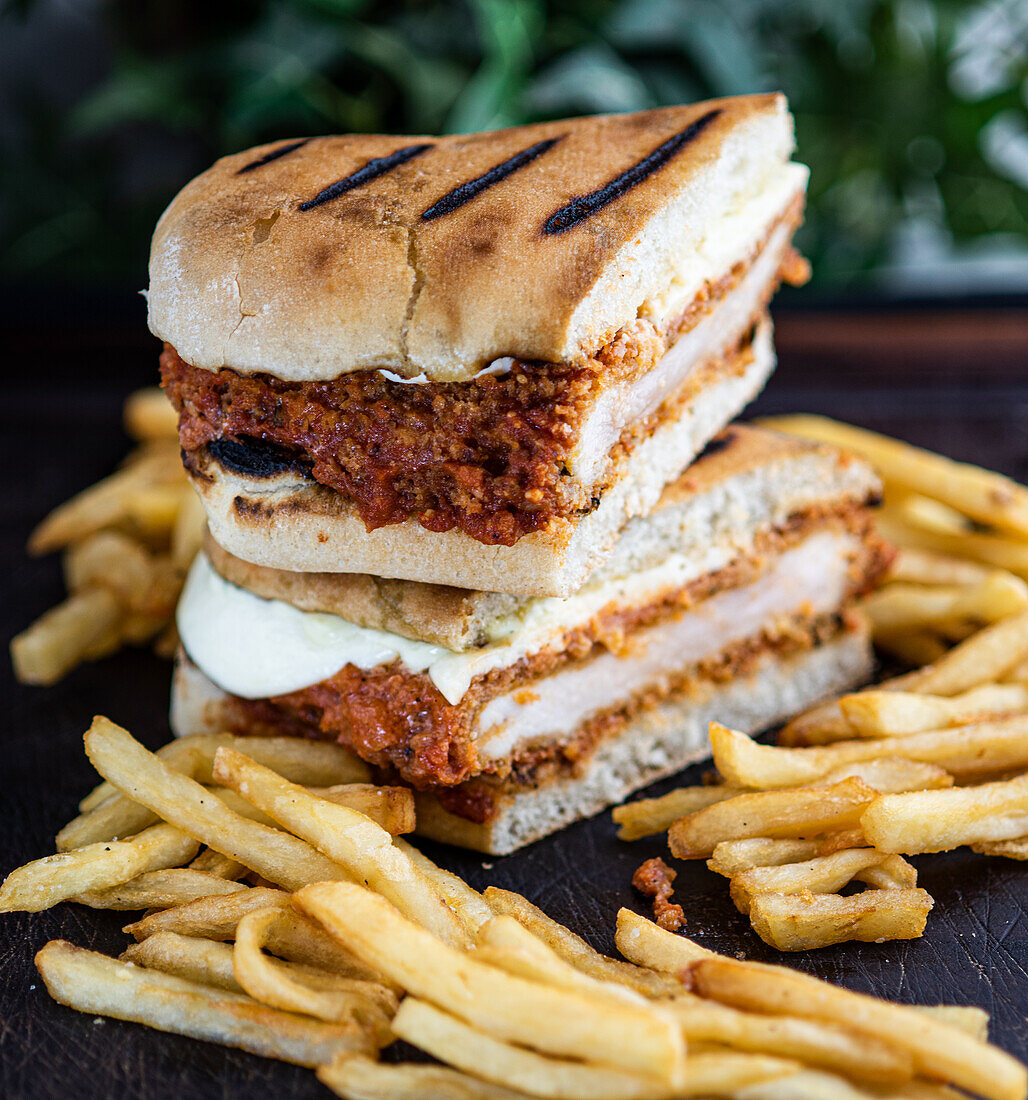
(255, 648)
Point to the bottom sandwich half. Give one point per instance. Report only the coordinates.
(512, 717)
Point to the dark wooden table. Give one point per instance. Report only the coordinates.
(952, 380)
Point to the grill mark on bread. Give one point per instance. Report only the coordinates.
(281, 151)
(584, 206)
(456, 198)
(377, 166)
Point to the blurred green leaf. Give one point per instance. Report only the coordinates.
(911, 113)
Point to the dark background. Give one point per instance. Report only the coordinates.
(912, 115)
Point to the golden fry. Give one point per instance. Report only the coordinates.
(730, 857)
(981, 494)
(649, 816)
(1014, 848)
(895, 713)
(53, 879)
(148, 414)
(355, 1076)
(83, 627)
(627, 1037)
(476, 1052)
(981, 748)
(795, 813)
(936, 821)
(820, 875)
(145, 778)
(939, 1050)
(794, 922)
(93, 983)
(350, 839)
(324, 996)
(573, 949)
(159, 890)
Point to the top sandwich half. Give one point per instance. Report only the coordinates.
(373, 340)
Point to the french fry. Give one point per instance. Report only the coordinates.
(895, 713)
(355, 1076)
(391, 808)
(981, 494)
(159, 890)
(93, 983)
(648, 945)
(555, 1021)
(812, 1084)
(108, 503)
(891, 774)
(1006, 553)
(53, 879)
(983, 658)
(940, 1051)
(795, 813)
(893, 873)
(478, 1053)
(649, 816)
(295, 938)
(820, 875)
(1014, 848)
(926, 567)
(808, 1041)
(187, 534)
(324, 996)
(207, 962)
(793, 922)
(83, 627)
(968, 1018)
(841, 840)
(936, 821)
(210, 862)
(298, 759)
(145, 584)
(504, 942)
(210, 962)
(923, 512)
(981, 748)
(460, 897)
(730, 857)
(900, 607)
(211, 918)
(148, 414)
(573, 949)
(348, 838)
(145, 778)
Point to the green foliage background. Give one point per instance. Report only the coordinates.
(911, 113)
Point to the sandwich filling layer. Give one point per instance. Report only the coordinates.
(499, 456)
(438, 718)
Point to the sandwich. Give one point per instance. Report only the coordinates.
(512, 716)
(470, 361)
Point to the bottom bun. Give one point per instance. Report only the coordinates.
(659, 743)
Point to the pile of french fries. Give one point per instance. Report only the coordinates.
(924, 762)
(288, 917)
(128, 542)
(962, 534)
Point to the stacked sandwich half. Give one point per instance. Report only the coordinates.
(456, 408)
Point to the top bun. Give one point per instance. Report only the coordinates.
(433, 257)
